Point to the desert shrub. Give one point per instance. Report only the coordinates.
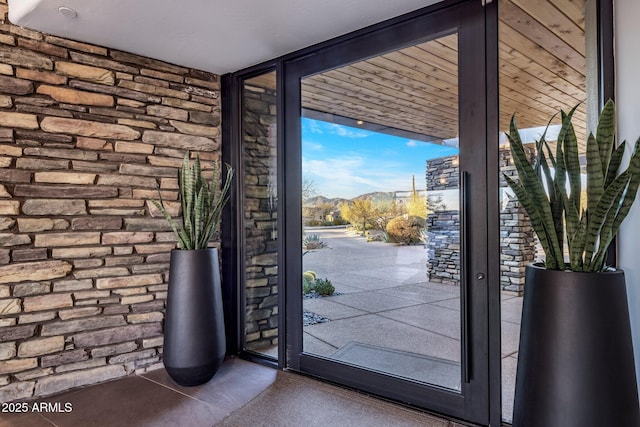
(306, 286)
(324, 287)
(417, 206)
(406, 229)
(313, 241)
(314, 223)
(340, 221)
(310, 283)
(308, 280)
(360, 213)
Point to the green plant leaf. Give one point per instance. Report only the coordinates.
(632, 189)
(588, 230)
(616, 160)
(595, 178)
(186, 195)
(540, 144)
(535, 216)
(201, 205)
(598, 215)
(572, 161)
(576, 248)
(561, 167)
(555, 197)
(170, 220)
(530, 181)
(197, 215)
(619, 210)
(605, 134)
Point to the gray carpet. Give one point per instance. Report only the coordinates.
(418, 367)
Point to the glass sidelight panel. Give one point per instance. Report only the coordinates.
(543, 57)
(381, 249)
(259, 205)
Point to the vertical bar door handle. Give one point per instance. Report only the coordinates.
(464, 277)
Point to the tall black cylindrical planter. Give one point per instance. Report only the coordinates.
(575, 363)
(194, 337)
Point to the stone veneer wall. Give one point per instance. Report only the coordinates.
(260, 205)
(443, 247)
(517, 246)
(443, 174)
(443, 226)
(517, 238)
(86, 135)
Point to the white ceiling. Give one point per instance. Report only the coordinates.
(219, 36)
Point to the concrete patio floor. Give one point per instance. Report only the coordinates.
(385, 300)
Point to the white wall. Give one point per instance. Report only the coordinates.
(627, 60)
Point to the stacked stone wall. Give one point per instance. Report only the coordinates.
(518, 244)
(443, 226)
(517, 238)
(260, 242)
(86, 135)
(443, 247)
(443, 174)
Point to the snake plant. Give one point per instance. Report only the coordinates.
(202, 204)
(550, 188)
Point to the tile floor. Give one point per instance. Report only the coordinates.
(241, 394)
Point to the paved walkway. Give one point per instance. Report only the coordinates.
(387, 302)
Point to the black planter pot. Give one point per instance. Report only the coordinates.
(575, 363)
(194, 337)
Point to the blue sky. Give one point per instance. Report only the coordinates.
(347, 162)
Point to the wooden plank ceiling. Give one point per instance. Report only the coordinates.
(415, 89)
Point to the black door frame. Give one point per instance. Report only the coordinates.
(467, 20)
(231, 85)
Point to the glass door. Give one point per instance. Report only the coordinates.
(381, 214)
(385, 221)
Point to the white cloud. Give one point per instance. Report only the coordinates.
(322, 128)
(314, 126)
(346, 132)
(351, 176)
(312, 146)
(412, 143)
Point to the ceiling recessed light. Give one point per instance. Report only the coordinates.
(360, 122)
(67, 11)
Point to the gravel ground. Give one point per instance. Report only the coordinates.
(311, 318)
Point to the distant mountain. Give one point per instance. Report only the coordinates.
(319, 200)
(378, 196)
